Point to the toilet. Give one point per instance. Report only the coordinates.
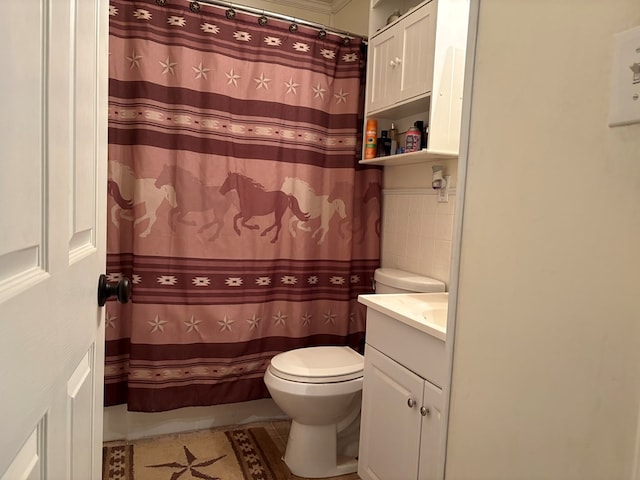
(320, 389)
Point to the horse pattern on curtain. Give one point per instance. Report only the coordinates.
(236, 204)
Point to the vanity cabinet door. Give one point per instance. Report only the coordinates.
(431, 435)
(391, 421)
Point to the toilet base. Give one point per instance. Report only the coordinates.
(312, 452)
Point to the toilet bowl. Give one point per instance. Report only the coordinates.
(320, 389)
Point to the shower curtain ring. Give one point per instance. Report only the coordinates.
(230, 13)
(346, 41)
(161, 3)
(194, 7)
(262, 20)
(322, 33)
(293, 27)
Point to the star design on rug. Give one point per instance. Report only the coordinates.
(190, 466)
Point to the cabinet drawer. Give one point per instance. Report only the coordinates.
(418, 351)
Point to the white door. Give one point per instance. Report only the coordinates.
(53, 94)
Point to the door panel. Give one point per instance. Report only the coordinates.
(418, 37)
(390, 428)
(52, 237)
(383, 75)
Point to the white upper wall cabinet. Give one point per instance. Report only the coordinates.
(401, 60)
(416, 72)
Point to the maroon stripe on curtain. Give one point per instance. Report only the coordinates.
(156, 397)
(238, 150)
(176, 99)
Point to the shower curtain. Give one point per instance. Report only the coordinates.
(237, 207)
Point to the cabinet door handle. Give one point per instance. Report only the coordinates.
(411, 402)
(424, 411)
(395, 62)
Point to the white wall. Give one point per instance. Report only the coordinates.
(417, 230)
(546, 380)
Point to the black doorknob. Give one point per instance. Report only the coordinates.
(120, 290)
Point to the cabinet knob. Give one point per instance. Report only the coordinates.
(424, 411)
(411, 402)
(393, 64)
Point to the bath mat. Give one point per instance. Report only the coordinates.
(240, 454)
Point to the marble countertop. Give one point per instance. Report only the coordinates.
(426, 312)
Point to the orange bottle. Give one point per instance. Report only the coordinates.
(371, 139)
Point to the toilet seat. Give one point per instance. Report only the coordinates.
(318, 365)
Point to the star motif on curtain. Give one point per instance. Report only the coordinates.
(318, 92)
(113, 11)
(312, 280)
(192, 324)
(335, 280)
(135, 60)
(142, 14)
(349, 57)
(301, 47)
(157, 324)
(234, 282)
(329, 317)
(289, 280)
(225, 323)
(114, 276)
(279, 318)
(167, 66)
(273, 41)
(209, 28)
(201, 71)
(263, 281)
(242, 36)
(262, 82)
(167, 280)
(341, 96)
(136, 278)
(232, 77)
(190, 466)
(176, 21)
(201, 281)
(306, 319)
(355, 278)
(110, 321)
(326, 53)
(253, 322)
(291, 86)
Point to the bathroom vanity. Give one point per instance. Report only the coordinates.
(402, 399)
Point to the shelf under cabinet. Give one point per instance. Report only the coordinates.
(409, 158)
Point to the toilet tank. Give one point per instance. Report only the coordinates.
(390, 280)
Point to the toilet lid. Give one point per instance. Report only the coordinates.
(318, 364)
